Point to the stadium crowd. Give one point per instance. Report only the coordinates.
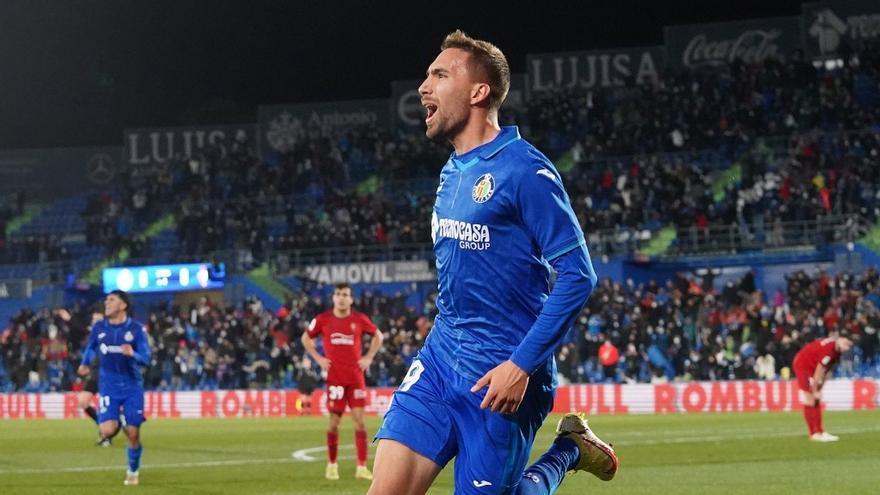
(754, 146)
(25, 249)
(696, 110)
(687, 330)
(634, 159)
(682, 330)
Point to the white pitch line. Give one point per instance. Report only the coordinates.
(305, 455)
(748, 436)
(86, 469)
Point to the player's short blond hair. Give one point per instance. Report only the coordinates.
(487, 60)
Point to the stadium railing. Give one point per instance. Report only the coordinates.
(736, 238)
(287, 261)
(733, 238)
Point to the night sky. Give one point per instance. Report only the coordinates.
(76, 73)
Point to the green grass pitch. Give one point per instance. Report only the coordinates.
(750, 453)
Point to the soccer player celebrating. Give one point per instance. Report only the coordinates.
(812, 365)
(484, 381)
(123, 345)
(89, 384)
(341, 330)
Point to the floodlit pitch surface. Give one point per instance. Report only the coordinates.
(749, 453)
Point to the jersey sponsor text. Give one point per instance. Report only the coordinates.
(469, 235)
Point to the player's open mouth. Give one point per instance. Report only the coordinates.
(432, 110)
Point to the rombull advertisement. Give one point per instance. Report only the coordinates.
(593, 399)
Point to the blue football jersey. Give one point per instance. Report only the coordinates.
(501, 214)
(116, 370)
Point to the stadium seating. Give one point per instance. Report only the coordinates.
(701, 163)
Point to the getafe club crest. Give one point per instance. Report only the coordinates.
(128, 337)
(483, 188)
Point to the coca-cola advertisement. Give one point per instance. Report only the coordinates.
(718, 44)
(836, 28)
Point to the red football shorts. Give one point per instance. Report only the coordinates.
(804, 378)
(339, 396)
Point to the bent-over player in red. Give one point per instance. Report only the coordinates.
(341, 330)
(812, 365)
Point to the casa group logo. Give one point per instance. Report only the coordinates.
(483, 188)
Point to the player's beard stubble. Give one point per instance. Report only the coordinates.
(445, 126)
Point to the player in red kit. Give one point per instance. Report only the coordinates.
(812, 365)
(341, 330)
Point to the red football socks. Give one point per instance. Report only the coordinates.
(813, 416)
(332, 446)
(360, 441)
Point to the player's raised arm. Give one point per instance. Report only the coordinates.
(88, 352)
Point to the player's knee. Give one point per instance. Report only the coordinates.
(134, 437)
(335, 419)
(108, 428)
(807, 399)
(391, 480)
(388, 483)
(398, 470)
(378, 487)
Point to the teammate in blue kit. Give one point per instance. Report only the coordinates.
(90, 382)
(484, 381)
(123, 347)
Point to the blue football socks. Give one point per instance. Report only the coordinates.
(544, 476)
(134, 458)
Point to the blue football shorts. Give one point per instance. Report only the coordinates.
(434, 413)
(130, 402)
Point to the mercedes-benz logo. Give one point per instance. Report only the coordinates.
(101, 168)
